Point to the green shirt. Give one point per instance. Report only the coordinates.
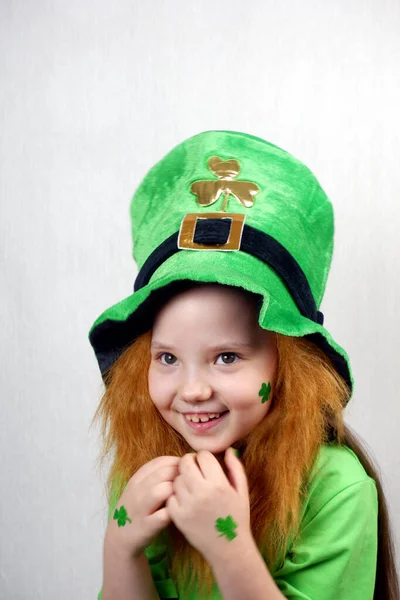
(334, 557)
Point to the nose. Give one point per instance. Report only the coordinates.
(195, 390)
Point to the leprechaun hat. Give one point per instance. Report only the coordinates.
(228, 208)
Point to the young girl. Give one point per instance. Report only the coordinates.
(233, 474)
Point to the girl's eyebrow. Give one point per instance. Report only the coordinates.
(231, 345)
(155, 344)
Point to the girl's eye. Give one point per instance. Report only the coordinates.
(227, 358)
(167, 358)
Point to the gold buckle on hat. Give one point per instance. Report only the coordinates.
(188, 228)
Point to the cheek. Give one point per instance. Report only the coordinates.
(159, 390)
(154, 387)
(242, 393)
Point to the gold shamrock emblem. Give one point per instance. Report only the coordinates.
(208, 192)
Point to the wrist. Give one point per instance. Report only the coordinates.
(240, 549)
(241, 572)
(114, 545)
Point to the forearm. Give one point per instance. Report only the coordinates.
(242, 573)
(126, 578)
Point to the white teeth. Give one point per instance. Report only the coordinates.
(203, 418)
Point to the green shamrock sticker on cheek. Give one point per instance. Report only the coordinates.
(265, 392)
(122, 516)
(226, 527)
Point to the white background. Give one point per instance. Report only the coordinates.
(93, 93)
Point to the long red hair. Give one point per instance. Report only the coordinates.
(307, 396)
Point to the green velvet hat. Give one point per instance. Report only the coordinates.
(233, 209)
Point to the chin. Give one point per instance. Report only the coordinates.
(213, 447)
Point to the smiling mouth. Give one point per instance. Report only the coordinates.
(203, 422)
(203, 417)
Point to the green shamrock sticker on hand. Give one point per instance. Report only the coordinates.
(226, 527)
(122, 516)
(264, 392)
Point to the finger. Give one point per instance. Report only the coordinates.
(172, 507)
(149, 483)
(209, 466)
(159, 519)
(160, 475)
(181, 492)
(157, 497)
(154, 465)
(236, 473)
(157, 463)
(190, 472)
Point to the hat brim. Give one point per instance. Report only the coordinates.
(118, 326)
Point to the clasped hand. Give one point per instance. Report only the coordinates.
(209, 508)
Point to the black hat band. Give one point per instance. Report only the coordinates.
(215, 232)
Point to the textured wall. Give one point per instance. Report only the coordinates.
(92, 94)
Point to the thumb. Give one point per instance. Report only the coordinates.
(236, 472)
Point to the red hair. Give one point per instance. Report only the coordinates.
(307, 396)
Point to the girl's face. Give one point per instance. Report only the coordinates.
(209, 355)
